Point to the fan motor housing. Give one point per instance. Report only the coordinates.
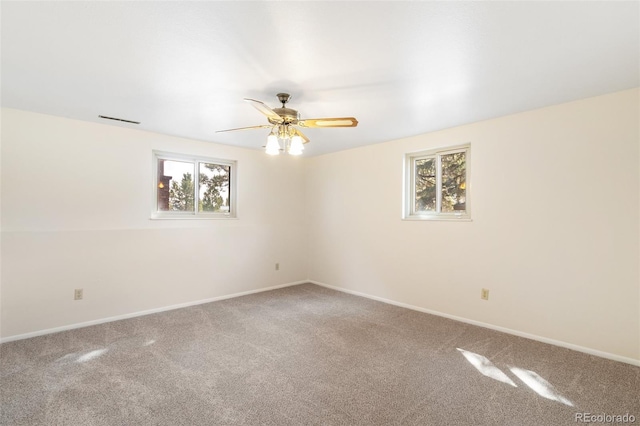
(290, 116)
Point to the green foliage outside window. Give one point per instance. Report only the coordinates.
(214, 188)
(452, 182)
(181, 194)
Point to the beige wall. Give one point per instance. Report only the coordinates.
(554, 234)
(76, 206)
(555, 208)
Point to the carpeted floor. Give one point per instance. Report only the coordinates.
(303, 355)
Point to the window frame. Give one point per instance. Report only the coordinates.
(196, 160)
(409, 184)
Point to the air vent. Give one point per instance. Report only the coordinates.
(119, 119)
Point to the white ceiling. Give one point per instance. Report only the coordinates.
(401, 68)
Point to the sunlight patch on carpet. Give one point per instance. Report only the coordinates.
(486, 367)
(540, 385)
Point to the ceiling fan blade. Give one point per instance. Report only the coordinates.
(262, 126)
(329, 122)
(263, 108)
(302, 135)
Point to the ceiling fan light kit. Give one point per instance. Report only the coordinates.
(291, 142)
(283, 122)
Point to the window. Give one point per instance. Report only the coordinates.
(437, 184)
(193, 187)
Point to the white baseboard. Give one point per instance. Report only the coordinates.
(560, 343)
(141, 313)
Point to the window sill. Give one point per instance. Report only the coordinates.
(193, 217)
(445, 218)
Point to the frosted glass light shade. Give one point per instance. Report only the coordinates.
(296, 145)
(273, 147)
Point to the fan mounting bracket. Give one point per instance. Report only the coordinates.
(283, 98)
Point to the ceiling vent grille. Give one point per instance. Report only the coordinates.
(119, 119)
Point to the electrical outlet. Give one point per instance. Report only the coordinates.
(77, 294)
(484, 295)
(277, 266)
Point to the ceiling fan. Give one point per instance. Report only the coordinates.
(284, 122)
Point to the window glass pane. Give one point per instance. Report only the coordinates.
(213, 194)
(454, 185)
(425, 178)
(175, 186)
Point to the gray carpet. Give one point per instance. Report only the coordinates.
(303, 355)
